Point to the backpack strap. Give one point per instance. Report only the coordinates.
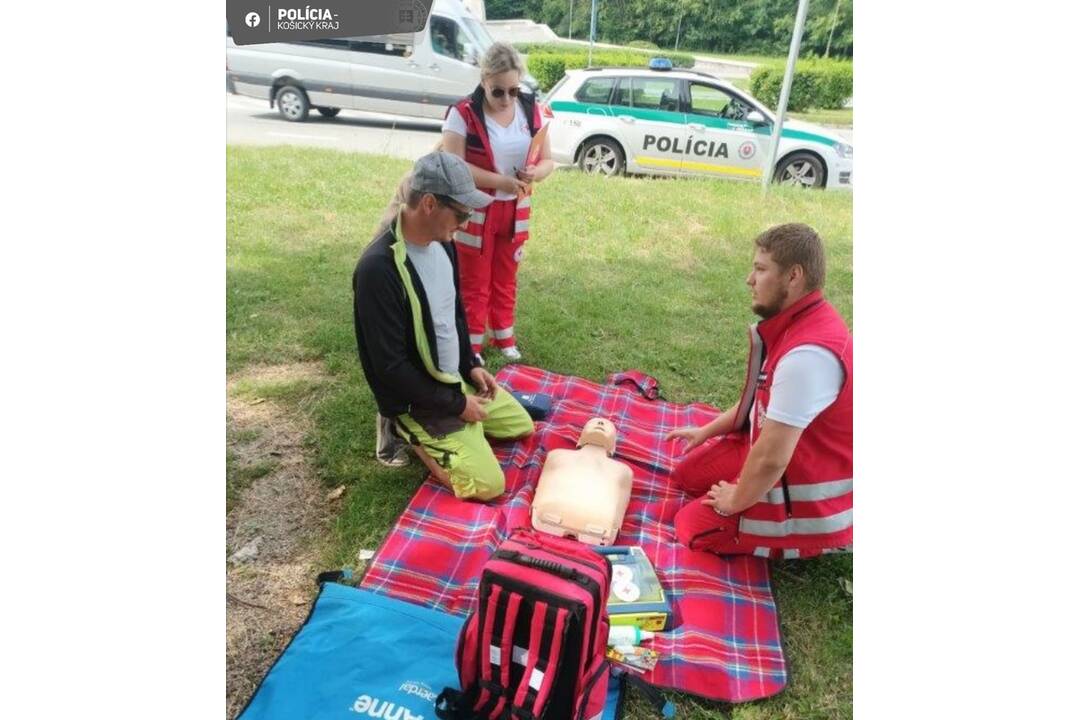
(453, 705)
(506, 656)
(557, 636)
(647, 385)
(488, 662)
(537, 661)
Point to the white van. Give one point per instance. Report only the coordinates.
(416, 74)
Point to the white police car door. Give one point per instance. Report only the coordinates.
(722, 141)
(648, 110)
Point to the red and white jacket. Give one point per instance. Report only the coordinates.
(810, 509)
(478, 152)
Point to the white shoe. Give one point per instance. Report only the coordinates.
(479, 359)
(511, 353)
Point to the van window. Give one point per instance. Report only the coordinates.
(648, 92)
(480, 34)
(595, 90)
(446, 38)
(399, 44)
(337, 43)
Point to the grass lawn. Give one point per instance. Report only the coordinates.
(620, 273)
(844, 117)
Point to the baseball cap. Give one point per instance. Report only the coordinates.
(442, 173)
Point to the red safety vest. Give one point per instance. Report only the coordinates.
(478, 152)
(810, 509)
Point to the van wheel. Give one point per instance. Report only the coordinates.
(292, 103)
(602, 156)
(328, 112)
(801, 170)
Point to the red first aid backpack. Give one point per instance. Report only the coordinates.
(534, 647)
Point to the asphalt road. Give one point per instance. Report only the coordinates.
(254, 122)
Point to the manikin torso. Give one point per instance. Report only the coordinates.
(582, 493)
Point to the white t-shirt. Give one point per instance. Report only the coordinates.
(509, 145)
(806, 381)
(437, 276)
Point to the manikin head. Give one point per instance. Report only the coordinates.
(598, 432)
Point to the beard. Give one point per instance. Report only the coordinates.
(772, 309)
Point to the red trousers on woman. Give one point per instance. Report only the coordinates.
(489, 278)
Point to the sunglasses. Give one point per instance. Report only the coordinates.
(498, 92)
(461, 214)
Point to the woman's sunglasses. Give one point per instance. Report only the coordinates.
(499, 92)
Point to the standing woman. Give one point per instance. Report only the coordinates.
(492, 130)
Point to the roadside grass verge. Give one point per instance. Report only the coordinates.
(620, 273)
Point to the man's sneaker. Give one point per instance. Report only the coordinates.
(390, 450)
(511, 353)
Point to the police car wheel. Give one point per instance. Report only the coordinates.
(801, 170)
(328, 112)
(292, 103)
(602, 157)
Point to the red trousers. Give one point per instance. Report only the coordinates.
(489, 278)
(698, 526)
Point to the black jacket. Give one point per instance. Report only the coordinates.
(385, 338)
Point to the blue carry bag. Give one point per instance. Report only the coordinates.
(361, 655)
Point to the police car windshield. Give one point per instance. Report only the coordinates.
(479, 33)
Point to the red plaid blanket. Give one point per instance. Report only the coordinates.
(726, 641)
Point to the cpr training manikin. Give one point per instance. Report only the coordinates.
(583, 493)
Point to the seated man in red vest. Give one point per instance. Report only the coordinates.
(771, 476)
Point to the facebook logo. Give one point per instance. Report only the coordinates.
(252, 19)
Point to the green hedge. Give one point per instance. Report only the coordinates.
(548, 64)
(547, 69)
(821, 84)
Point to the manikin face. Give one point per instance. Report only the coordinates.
(502, 84)
(769, 285)
(599, 432)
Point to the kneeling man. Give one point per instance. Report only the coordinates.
(773, 474)
(413, 341)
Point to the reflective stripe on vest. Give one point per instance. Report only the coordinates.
(797, 526)
(465, 238)
(811, 492)
(398, 249)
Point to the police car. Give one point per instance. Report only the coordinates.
(658, 121)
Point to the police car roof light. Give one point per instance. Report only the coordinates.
(660, 63)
